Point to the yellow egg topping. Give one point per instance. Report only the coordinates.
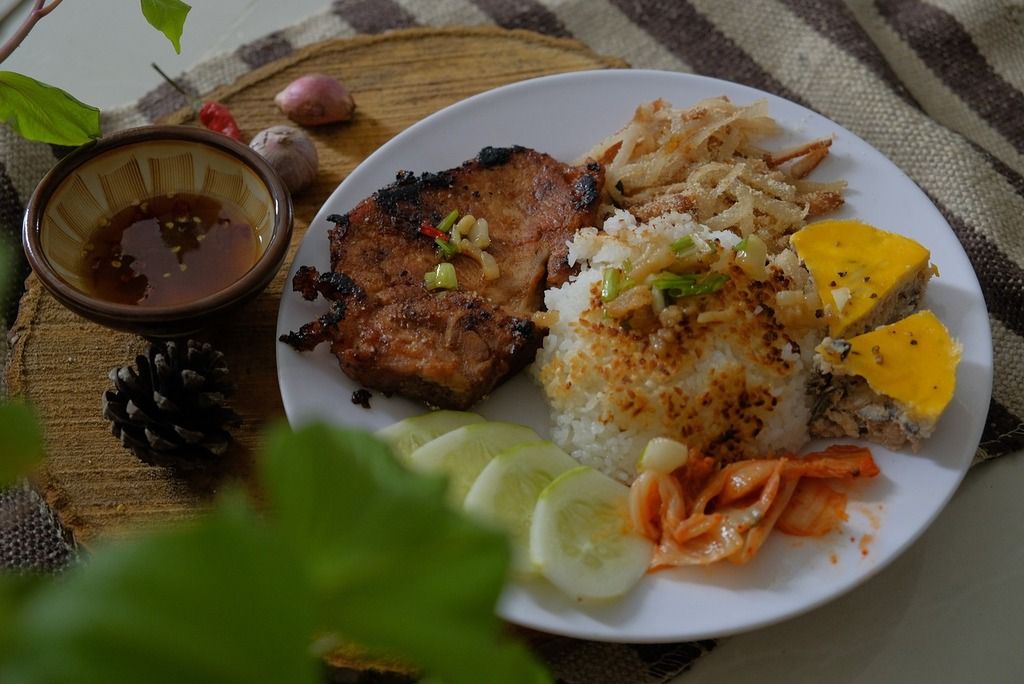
(912, 361)
(858, 268)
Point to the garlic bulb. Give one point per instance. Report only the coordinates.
(316, 99)
(290, 152)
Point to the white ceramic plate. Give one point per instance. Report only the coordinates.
(564, 116)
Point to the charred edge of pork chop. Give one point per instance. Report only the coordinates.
(336, 287)
(332, 285)
(311, 334)
(587, 188)
(408, 187)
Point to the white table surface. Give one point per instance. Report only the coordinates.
(951, 609)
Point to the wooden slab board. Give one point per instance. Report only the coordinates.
(60, 362)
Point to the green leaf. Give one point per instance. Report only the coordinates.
(393, 567)
(16, 591)
(217, 602)
(22, 441)
(167, 17)
(37, 111)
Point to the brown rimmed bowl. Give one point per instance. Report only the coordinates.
(102, 177)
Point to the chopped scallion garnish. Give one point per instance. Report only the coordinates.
(689, 284)
(441, 278)
(683, 244)
(741, 246)
(446, 248)
(611, 283)
(657, 300)
(448, 221)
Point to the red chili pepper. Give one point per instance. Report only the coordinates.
(213, 115)
(433, 232)
(217, 117)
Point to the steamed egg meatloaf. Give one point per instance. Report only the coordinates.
(889, 385)
(448, 348)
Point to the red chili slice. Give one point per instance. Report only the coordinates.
(433, 232)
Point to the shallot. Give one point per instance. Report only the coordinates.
(316, 99)
(290, 152)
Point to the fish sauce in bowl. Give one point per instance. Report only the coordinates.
(158, 230)
(168, 250)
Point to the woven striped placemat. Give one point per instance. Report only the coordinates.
(936, 85)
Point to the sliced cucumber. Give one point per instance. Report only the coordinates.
(462, 453)
(581, 538)
(409, 434)
(507, 489)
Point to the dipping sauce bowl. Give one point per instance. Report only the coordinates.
(158, 230)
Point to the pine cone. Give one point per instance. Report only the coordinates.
(171, 409)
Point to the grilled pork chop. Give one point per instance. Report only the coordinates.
(450, 348)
